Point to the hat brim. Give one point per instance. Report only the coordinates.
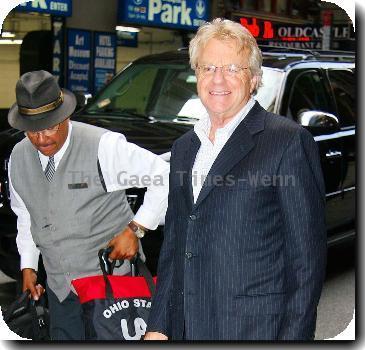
(43, 120)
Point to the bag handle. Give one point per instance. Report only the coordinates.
(39, 322)
(139, 268)
(107, 268)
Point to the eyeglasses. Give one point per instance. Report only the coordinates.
(231, 70)
(46, 132)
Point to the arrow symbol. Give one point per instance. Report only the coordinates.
(200, 8)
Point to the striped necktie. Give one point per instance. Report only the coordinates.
(50, 169)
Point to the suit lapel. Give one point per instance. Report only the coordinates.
(237, 147)
(189, 158)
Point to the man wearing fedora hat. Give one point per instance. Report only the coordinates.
(67, 183)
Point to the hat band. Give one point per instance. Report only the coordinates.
(46, 108)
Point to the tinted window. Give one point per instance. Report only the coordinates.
(166, 91)
(307, 94)
(343, 86)
(148, 90)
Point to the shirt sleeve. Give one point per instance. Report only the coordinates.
(125, 165)
(29, 253)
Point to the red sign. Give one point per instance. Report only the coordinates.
(307, 36)
(254, 28)
(266, 30)
(327, 18)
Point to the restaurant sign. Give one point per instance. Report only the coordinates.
(298, 36)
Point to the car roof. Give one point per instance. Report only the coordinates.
(273, 56)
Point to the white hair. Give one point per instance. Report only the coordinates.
(224, 29)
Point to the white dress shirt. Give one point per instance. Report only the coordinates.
(208, 151)
(123, 165)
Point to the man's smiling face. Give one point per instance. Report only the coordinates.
(224, 95)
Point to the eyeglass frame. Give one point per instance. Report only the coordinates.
(224, 69)
(46, 132)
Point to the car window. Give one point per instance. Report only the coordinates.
(130, 94)
(166, 91)
(158, 90)
(176, 86)
(307, 94)
(343, 85)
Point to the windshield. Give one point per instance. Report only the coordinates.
(166, 91)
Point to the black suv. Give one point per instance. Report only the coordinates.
(154, 100)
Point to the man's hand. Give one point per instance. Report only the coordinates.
(29, 282)
(125, 245)
(155, 336)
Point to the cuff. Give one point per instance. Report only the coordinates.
(147, 218)
(29, 261)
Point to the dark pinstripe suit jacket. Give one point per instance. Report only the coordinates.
(247, 260)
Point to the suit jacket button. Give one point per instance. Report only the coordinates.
(188, 255)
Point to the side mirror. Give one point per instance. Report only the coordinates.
(81, 99)
(318, 122)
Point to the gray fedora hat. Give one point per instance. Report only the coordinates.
(40, 103)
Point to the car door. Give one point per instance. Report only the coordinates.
(343, 87)
(306, 90)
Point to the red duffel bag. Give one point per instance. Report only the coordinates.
(116, 307)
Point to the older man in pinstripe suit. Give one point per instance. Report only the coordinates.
(245, 242)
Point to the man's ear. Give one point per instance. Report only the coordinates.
(253, 84)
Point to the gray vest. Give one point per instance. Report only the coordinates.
(70, 221)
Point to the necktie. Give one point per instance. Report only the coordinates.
(50, 169)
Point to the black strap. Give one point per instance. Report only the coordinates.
(107, 268)
(106, 265)
(101, 176)
(142, 270)
(36, 330)
(39, 319)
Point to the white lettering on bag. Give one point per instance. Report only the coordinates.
(124, 304)
(139, 327)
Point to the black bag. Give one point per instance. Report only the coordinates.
(28, 318)
(116, 307)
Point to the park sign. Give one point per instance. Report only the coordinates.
(52, 7)
(179, 14)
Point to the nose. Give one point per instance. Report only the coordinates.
(41, 138)
(218, 75)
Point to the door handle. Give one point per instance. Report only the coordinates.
(333, 154)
